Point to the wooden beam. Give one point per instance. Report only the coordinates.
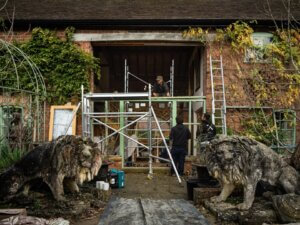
(133, 36)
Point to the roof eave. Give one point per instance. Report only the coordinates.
(145, 23)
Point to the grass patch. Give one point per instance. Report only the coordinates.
(9, 156)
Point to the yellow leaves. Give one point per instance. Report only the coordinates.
(196, 33)
(234, 90)
(274, 82)
(239, 74)
(239, 35)
(220, 35)
(275, 87)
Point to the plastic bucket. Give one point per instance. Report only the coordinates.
(105, 186)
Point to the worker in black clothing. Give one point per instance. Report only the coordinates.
(208, 130)
(160, 88)
(179, 137)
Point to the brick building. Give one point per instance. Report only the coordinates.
(148, 34)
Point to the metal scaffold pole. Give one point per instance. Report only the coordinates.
(166, 145)
(82, 110)
(172, 78)
(150, 175)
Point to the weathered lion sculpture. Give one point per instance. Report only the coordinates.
(68, 161)
(241, 161)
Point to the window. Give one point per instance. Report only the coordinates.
(286, 128)
(257, 53)
(11, 125)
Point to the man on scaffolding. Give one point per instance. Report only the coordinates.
(160, 88)
(179, 137)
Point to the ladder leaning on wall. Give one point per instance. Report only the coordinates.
(218, 94)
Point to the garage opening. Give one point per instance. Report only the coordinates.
(146, 62)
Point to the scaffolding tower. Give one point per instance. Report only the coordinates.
(89, 118)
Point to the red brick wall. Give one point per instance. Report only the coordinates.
(238, 93)
(85, 46)
(235, 70)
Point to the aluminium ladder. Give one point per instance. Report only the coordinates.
(218, 94)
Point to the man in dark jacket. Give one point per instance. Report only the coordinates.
(160, 88)
(208, 130)
(179, 137)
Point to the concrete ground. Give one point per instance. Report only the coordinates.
(162, 186)
(137, 185)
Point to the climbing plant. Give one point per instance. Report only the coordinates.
(238, 34)
(64, 66)
(277, 81)
(260, 126)
(198, 33)
(273, 81)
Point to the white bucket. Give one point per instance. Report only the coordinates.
(98, 184)
(102, 185)
(106, 186)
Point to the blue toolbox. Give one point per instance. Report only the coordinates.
(117, 178)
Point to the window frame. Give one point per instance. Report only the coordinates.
(257, 49)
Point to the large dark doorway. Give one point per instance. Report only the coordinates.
(146, 62)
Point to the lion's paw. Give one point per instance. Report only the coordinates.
(61, 198)
(216, 199)
(243, 206)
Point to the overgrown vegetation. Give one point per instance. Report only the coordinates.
(279, 84)
(198, 33)
(237, 34)
(260, 126)
(63, 65)
(274, 81)
(9, 156)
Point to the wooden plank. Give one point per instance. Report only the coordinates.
(172, 211)
(72, 108)
(122, 211)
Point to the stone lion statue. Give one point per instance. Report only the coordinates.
(241, 161)
(69, 161)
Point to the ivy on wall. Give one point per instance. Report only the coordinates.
(198, 33)
(238, 34)
(277, 82)
(274, 82)
(64, 66)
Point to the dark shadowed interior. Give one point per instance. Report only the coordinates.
(146, 62)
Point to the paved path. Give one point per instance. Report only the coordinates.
(123, 211)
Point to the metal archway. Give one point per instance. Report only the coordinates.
(22, 95)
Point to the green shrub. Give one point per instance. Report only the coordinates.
(9, 156)
(64, 66)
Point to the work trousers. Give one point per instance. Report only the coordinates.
(178, 155)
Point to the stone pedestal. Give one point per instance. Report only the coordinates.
(261, 212)
(202, 194)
